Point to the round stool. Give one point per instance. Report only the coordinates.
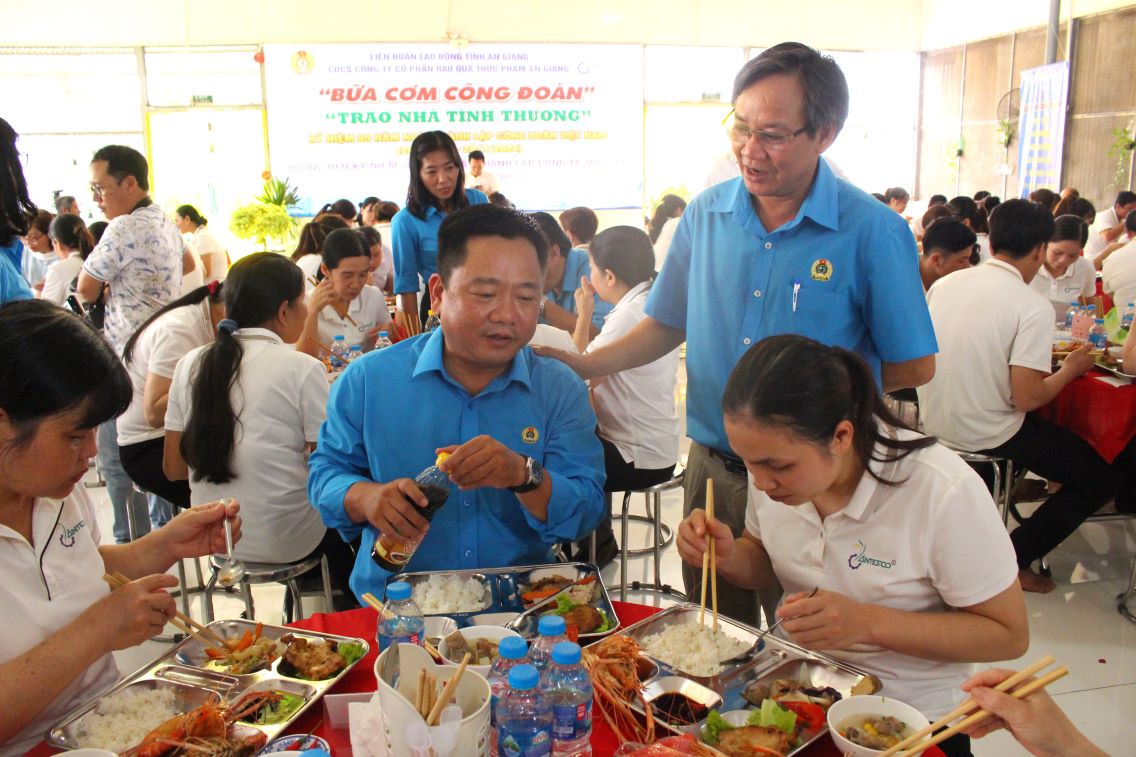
(262, 573)
(663, 536)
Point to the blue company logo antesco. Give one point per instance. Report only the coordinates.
(67, 535)
(860, 557)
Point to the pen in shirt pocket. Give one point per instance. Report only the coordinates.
(796, 293)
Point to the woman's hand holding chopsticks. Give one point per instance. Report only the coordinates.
(135, 611)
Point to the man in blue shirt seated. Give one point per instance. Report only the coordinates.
(566, 266)
(525, 456)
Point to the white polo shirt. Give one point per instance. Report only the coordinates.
(1118, 275)
(1106, 219)
(310, 265)
(207, 246)
(1080, 280)
(635, 409)
(280, 397)
(164, 342)
(986, 319)
(47, 585)
(368, 310)
(59, 277)
(930, 544)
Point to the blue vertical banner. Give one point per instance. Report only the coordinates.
(1041, 127)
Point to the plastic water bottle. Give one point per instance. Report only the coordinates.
(1128, 316)
(569, 692)
(433, 322)
(355, 351)
(551, 630)
(1073, 311)
(339, 350)
(401, 621)
(383, 341)
(1098, 337)
(524, 719)
(511, 652)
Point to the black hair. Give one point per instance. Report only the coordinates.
(343, 208)
(879, 196)
(56, 362)
(792, 382)
(669, 207)
(41, 222)
(824, 85)
(63, 203)
(949, 235)
(991, 202)
(386, 210)
(1124, 198)
(214, 291)
(1047, 198)
(1017, 227)
(498, 198)
(896, 193)
(314, 233)
(255, 288)
(1130, 222)
(980, 195)
(1065, 202)
(70, 231)
(97, 228)
(16, 208)
(1083, 209)
(123, 161)
(418, 197)
(476, 155)
(485, 221)
(937, 200)
(967, 210)
(190, 212)
(552, 232)
(1070, 228)
(370, 235)
(934, 213)
(366, 203)
(625, 251)
(341, 244)
(582, 222)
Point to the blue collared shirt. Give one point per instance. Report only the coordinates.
(391, 409)
(576, 266)
(414, 241)
(12, 283)
(844, 272)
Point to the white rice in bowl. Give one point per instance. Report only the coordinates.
(441, 595)
(693, 649)
(120, 722)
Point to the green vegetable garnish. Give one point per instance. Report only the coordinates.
(350, 651)
(773, 715)
(563, 604)
(607, 625)
(281, 712)
(715, 724)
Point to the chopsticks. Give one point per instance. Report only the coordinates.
(709, 563)
(374, 602)
(428, 701)
(186, 624)
(905, 748)
(448, 692)
(315, 282)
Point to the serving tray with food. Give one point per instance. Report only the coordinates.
(716, 684)
(518, 596)
(231, 697)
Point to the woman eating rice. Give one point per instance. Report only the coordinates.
(58, 382)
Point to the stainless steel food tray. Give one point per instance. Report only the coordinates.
(777, 658)
(503, 590)
(180, 669)
(1103, 366)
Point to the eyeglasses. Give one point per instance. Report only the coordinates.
(96, 190)
(740, 133)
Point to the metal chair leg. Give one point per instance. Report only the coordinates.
(655, 499)
(246, 593)
(623, 548)
(297, 602)
(207, 597)
(184, 588)
(326, 571)
(1126, 596)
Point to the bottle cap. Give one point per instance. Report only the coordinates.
(381, 333)
(551, 625)
(513, 648)
(523, 677)
(429, 313)
(441, 456)
(356, 347)
(1099, 321)
(566, 653)
(340, 338)
(398, 591)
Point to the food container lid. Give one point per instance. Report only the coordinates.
(566, 653)
(512, 648)
(398, 591)
(523, 677)
(551, 625)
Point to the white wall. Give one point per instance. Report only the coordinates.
(833, 24)
(947, 23)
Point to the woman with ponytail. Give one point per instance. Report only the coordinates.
(244, 412)
(915, 572)
(150, 356)
(72, 243)
(214, 259)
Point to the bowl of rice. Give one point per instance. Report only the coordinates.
(693, 649)
(445, 595)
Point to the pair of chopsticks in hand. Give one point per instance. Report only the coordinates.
(207, 636)
(709, 563)
(315, 282)
(374, 602)
(914, 744)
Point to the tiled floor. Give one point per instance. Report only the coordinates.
(1078, 623)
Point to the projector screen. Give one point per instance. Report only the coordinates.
(560, 125)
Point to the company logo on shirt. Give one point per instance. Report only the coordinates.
(67, 535)
(303, 63)
(860, 557)
(530, 435)
(821, 270)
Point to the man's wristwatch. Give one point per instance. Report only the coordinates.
(534, 472)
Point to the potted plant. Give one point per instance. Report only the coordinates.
(260, 222)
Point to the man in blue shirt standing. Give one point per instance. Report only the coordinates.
(784, 248)
(524, 454)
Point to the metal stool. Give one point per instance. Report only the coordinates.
(900, 399)
(663, 536)
(1003, 485)
(1123, 598)
(262, 573)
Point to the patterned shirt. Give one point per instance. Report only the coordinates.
(140, 257)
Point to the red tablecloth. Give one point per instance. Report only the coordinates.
(361, 623)
(1100, 413)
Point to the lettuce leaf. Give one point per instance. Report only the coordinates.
(350, 651)
(714, 726)
(773, 715)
